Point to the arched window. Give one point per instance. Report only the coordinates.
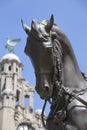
(24, 127)
(26, 101)
(16, 69)
(17, 97)
(9, 68)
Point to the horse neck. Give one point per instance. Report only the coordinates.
(71, 75)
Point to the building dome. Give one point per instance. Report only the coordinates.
(10, 56)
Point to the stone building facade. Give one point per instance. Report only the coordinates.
(15, 91)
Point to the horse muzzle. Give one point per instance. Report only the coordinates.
(45, 90)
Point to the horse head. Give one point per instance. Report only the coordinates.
(48, 47)
(39, 49)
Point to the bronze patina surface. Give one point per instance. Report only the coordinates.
(58, 76)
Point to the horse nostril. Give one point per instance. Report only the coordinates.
(46, 87)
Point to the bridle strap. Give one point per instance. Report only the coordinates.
(76, 96)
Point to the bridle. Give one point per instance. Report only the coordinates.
(57, 74)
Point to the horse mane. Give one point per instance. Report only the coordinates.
(63, 48)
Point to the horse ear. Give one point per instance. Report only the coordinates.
(26, 28)
(49, 24)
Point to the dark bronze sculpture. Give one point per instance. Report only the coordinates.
(58, 77)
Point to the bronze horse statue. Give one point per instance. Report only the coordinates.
(58, 77)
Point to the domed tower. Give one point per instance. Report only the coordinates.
(14, 91)
(16, 97)
(10, 70)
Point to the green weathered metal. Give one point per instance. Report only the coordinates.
(11, 44)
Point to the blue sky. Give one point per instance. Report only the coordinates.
(70, 16)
